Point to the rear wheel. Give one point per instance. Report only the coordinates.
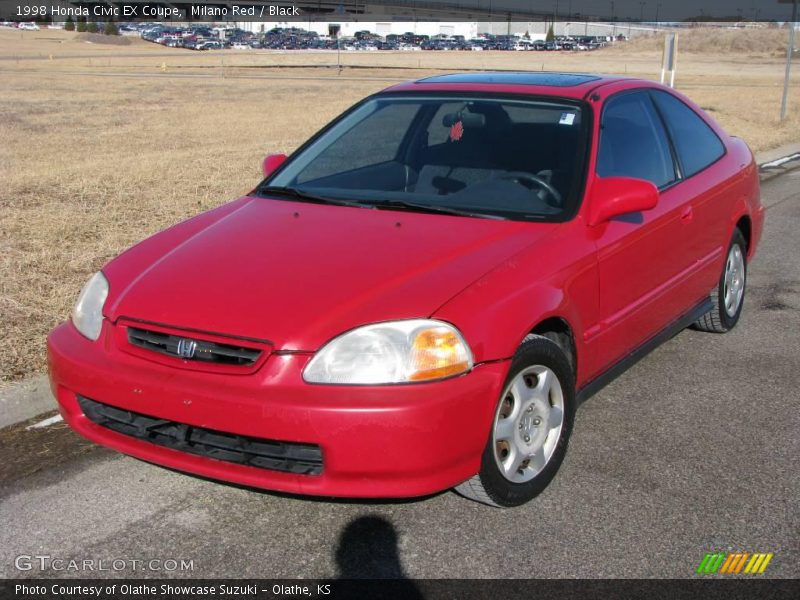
(728, 296)
(530, 429)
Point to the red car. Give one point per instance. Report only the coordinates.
(422, 294)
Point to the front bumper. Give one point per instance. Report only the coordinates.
(376, 441)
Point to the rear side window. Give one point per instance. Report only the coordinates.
(633, 142)
(695, 142)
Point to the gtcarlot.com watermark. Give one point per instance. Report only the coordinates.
(46, 562)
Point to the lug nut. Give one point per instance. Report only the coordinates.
(537, 421)
(530, 409)
(527, 438)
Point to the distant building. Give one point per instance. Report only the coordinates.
(470, 30)
(382, 28)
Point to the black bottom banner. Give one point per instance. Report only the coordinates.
(499, 589)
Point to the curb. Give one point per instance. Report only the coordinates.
(776, 162)
(23, 400)
(772, 169)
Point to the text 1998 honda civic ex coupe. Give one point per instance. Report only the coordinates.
(419, 297)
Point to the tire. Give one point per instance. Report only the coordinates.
(725, 314)
(526, 423)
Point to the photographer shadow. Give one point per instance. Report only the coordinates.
(367, 550)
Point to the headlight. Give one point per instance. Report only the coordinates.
(394, 352)
(87, 316)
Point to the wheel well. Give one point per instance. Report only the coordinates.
(559, 331)
(745, 227)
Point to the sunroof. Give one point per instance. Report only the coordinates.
(514, 78)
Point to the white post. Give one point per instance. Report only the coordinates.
(789, 51)
(674, 64)
(669, 58)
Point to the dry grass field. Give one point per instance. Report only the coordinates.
(103, 145)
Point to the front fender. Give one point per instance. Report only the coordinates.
(556, 279)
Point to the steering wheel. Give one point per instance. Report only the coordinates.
(520, 177)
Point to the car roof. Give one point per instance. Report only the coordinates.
(514, 77)
(566, 85)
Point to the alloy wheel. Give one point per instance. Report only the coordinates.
(733, 283)
(528, 423)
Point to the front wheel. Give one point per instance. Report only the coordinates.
(727, 297)
(531, 426)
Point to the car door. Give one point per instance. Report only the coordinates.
(640, 256)
(705, 185)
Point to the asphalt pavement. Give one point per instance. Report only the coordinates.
(693, 450)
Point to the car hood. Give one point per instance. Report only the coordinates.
(297, 274)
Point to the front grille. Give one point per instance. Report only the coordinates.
(193, 349)
(290, 457)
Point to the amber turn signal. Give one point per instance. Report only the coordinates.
(438, 352)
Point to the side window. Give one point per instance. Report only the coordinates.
(633, 142)
(387, 127)
(695, 142)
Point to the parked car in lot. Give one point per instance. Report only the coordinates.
(152, 34)
(28, 25)
(209, 45)
(419, 297)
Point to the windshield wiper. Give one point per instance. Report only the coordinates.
(303, 196)
(445, 210)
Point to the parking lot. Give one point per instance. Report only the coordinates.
(691, 451)
(297, 38)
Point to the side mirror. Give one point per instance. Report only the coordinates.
(615, 196)
(272, 162)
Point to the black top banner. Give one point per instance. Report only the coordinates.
(645, 11)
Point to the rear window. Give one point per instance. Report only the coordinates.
(695, 142)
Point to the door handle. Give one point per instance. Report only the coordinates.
(687, 214)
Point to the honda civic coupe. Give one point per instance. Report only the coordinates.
(421, 295)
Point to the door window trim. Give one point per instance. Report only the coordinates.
(678, 177)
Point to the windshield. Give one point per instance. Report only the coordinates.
(500, 157)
